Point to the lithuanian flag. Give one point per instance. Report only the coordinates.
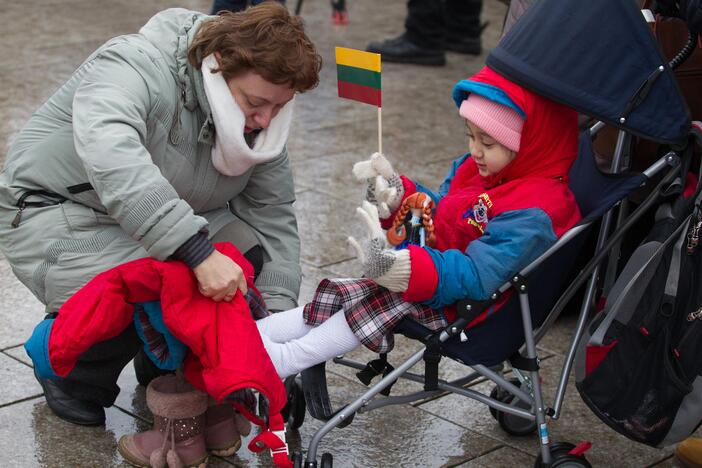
(359, 75)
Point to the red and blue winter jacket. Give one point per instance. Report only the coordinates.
(488, 228)
(225, 350)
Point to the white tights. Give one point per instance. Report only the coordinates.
(294, 346)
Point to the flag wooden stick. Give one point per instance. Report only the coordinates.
(380, 130)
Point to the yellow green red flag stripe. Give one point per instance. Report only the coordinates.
(358, 75)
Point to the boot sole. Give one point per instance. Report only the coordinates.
(477, 51)
(201, 463)
(227, 451)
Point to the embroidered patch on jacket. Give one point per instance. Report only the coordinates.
(478, 215)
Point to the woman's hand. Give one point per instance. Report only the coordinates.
(219, 277)
(385, 189)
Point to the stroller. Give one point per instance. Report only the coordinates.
(633, 90)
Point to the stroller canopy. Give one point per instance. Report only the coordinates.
(600, 58)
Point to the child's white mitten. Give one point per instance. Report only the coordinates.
(389, 268)
(385, 189)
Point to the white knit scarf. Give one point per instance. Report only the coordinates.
(231, 155)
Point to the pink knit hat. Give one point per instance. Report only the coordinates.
(499, 121)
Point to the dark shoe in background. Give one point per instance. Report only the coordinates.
(146, 370)
(401, 50)
(465, 45)
(84, 413)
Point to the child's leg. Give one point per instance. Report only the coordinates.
(284, 326)
(320, 344)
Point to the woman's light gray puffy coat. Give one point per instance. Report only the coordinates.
(133, 122)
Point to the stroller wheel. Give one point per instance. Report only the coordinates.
(327, 460)
(561, 457)
(294, 411)
(511, 423)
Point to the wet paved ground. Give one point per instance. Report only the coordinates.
(42, 44)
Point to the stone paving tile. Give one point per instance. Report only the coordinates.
(504, 457)
(449, 369)
(324, 227)
(92, 20)
(20, 311)
(332, 175)
(17, 381)
(18, 353)
(311, 276)
(354, 444)
(32, 436)
(386, 437)
(671, 462)
(132, 396)
(33, 69)
(577, 423)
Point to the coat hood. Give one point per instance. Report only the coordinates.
(549, 142)
(171, 32)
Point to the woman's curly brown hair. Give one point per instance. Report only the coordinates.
(266, 39)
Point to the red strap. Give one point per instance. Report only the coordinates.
(600, 305)
(281, 459)
(249, 415)
(278, 447)
(269, 438)
(581, 449)
(275, 422)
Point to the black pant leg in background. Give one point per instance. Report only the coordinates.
(462, 18)
(228, 5)
(425, 23)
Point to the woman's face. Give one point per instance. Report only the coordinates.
(259, 100)
(489, 155)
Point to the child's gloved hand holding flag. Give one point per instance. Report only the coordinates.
(385, 188)
(359, 79)
(387, 267)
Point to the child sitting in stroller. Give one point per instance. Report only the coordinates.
(502, 205)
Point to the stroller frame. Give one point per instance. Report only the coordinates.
(529, 380)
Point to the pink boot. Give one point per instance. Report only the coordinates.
(221, 434)
(177, 438)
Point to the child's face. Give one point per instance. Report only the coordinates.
(489, 155)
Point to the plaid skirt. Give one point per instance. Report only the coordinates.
(371, 310)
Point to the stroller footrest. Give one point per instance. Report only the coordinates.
(314, 388)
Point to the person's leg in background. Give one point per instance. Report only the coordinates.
(463, 26)
(422, 42)
(228, 5)
(234, 5)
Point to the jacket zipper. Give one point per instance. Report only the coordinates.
(22, 203)
(691, 317)
(693, 235)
